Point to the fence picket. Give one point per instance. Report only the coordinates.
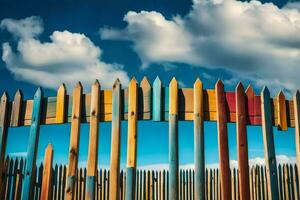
(46, 190)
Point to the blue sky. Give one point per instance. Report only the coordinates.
(54, 42)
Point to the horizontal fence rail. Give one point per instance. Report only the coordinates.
(156, 102)
(152, 184)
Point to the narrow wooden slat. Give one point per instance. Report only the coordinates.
(93, 141)
(157, 100)
(296, 99)
(223, 142)
(115, 142)
(242, 143)
(3, 137)
(281, 112)
(199, 141)
(144, 99)
(269, 149)
(32, 148)
(132, 139)
(46, 191)
(61, 104)
(173, 140)
(14, 181)
(74, 142)
(16, 109)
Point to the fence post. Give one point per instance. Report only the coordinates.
(269, 148)
(173, 140)
(3, 138)
(32, 146)
(16, 109)
(46, 191)
(132, 139)
(93, 142)
(223, 141)
(296, 100)
(74, 142)
(114, 185)
(242, 144)
(199, 141)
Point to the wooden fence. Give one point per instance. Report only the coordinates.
(152, 184)
(156, 103)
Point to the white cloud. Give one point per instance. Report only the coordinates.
(68, 57)
(293, 5)
(252, 40)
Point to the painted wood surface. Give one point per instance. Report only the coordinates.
(281, 112)
(173, 140)
(3, 137)
(74, 142)
(157, 100)
(199, 141)
(269, 148)
(46, 190)
(132, 139)
(223, 142)
(27, 189)
(16, 109)
(296, 99)
(93, 142)
(242, 143)
(114, 188)
(61, 104)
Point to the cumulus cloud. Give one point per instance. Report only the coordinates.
(68, 57)
(252, 40)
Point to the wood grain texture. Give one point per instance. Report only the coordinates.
(27, 189)
(16, 109)
(144, 99)
(242, 143)
(114, 188)
(269, 148)
(74, 142)
(3, 138)
(281, 112)
(93, 141)
(296, 99)
(46, 189)
(61, 104)
(199, 156)
(223, 141)
(173, 140)
(132, 139)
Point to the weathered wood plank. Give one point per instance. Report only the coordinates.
(157, 100)
(132, 139)
(46, 190)
(16, 109)
(269, 148)
(296, 99)
(223, 141)
(199, 158)
(173, 140)
(32, 148)
(3, 137)
(144, 99)
(93, 142)
(74, 142)
(242, 143)
(115, 142)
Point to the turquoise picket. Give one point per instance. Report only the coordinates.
(156, 100)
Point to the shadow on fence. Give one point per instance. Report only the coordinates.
(151, 184)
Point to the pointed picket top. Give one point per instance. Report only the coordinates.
(96, 84)
(250, 91)
(49, 147)
(4, 97)
(157, 81)
(18, 95)
(38, 93)
(78, 85)
(219, 84)
(173, 96)
(239, 87)
(132, 82)
(265, 92)
(145, 83)
(116, 83)
(281, 95)
(62, 89)
(198, 83)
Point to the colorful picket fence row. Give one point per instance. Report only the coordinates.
(151, 184)
(156, 103)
